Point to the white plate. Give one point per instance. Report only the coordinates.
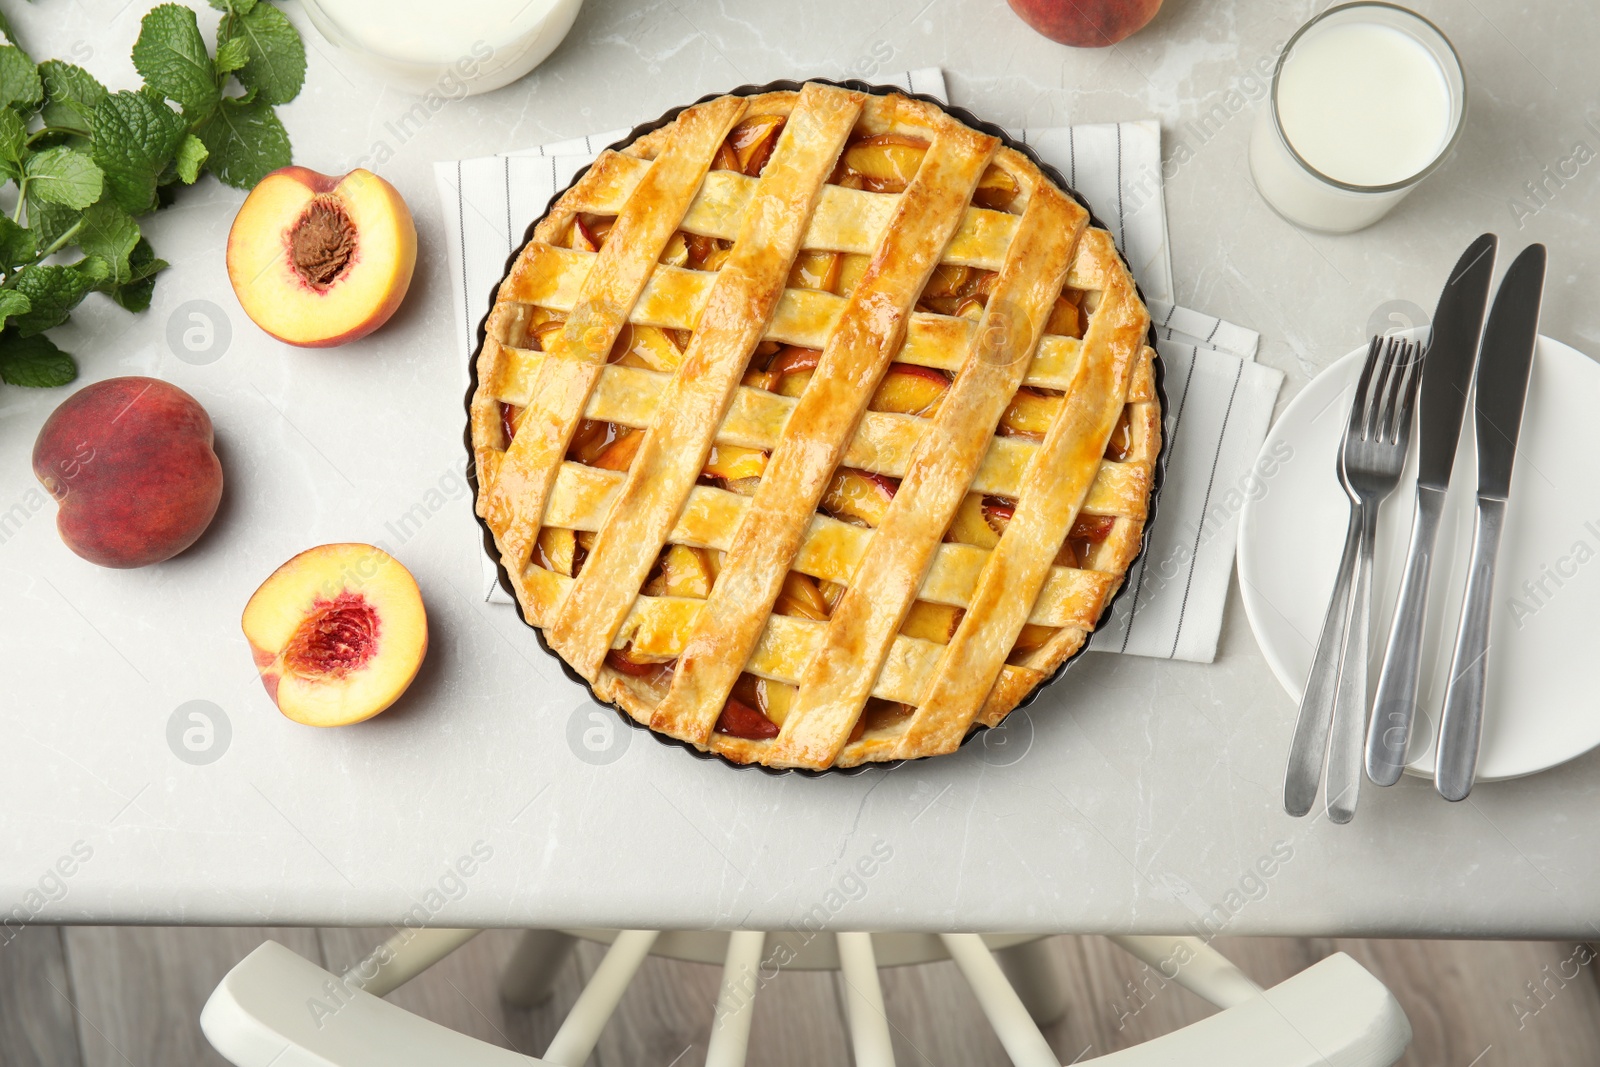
(1541, 707)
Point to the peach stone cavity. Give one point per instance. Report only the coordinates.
(337, 633)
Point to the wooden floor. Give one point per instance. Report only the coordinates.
(131, 997)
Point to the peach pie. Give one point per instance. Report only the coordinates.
(816, 427)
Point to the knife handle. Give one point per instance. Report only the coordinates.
(1461, 724)
(1394, 705)
(1310, 742)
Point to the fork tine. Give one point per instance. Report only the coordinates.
(1377, 401)
(1408, 398)
(1387, 402)
(1358, 406)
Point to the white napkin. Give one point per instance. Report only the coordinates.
(1219, 399)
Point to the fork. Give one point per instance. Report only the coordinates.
(1335, 700)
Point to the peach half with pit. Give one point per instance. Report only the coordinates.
(338, 633)
(317, 261)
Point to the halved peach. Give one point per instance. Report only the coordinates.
(908, 389)
(317, 261)
(337, 633)
(859, 496)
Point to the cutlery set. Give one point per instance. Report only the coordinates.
(1401, 379)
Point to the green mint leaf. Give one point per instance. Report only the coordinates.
(13, 143)
(19, 80)
(109, 233)
(191, 156)
(135, 295)
(277, 66)
(34, 362)
(245, 141)
(232, 53)
(53, 291)
(135, 137)
(12, 303)
(47, 221)
(62, 176)
(237, 7)
(70, 96)
(17, 246)
(171, 56)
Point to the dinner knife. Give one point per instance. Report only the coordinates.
(1452, 351)
(1502, 387)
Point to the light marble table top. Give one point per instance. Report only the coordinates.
(1148, 795)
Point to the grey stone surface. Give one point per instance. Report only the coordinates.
(1149, 800)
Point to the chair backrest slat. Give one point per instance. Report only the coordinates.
(863, 1001)
(581, 1028)
(736, 1000)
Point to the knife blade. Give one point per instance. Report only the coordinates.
(1504, 364)
(1508, 342)
(1452, 351)
(1442, 401)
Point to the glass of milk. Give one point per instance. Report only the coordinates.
(1367, 100)
(446, 49)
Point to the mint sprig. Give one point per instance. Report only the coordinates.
(87, 162)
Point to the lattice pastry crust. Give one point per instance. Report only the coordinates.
(815, 427)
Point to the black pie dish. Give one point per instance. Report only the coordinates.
(964, 116)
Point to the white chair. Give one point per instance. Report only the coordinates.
(276, 1008)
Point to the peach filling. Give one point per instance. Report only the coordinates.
(886, 163)
(322, 242)
(339, 636)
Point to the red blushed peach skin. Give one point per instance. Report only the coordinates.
(130, 462)
(1086, 23)
(338, 633)
(317, 261)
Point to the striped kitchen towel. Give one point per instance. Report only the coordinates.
(1219, 399)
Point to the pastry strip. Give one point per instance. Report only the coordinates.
(743, 297)
(883, 443)
(831, 549)
(517, 496)
(863, 343)
(550, 277)
(864, 623)
(846, 220)
(1057, 482)
(662, 626)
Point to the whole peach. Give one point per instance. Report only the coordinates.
(1086, 23)
(130, 462)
